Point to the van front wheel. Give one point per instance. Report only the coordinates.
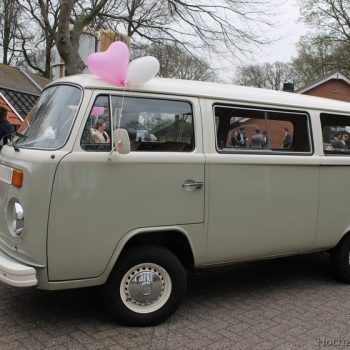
(146, 286)
(340, 258)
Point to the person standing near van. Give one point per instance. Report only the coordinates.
(257, 140)
(5, 127)
(287, 140)
(241, 138)
(264, 138)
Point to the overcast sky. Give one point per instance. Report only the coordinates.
(287, 32)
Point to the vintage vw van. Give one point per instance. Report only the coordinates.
(182, 175)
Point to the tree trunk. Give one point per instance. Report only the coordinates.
(8, 27)
(68, 47)
(47, 71)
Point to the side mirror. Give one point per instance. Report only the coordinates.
(121, 141)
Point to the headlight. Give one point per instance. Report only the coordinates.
(17, 219)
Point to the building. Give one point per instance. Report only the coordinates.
(335, 85)
(90, 42)
(19, 91)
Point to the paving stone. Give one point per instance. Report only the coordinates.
(290, 303)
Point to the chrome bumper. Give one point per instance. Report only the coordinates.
(15, 273)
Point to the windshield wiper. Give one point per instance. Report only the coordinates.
(13, 143)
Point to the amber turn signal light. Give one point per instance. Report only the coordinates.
(17, 178)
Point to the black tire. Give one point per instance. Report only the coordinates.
(340, 260)
(127, 303)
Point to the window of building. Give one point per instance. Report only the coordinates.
(253, 129)
(336, 134)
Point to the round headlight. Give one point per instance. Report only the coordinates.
(17, 219)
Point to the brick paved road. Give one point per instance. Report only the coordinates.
(291, 303)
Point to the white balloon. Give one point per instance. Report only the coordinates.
(142, 70)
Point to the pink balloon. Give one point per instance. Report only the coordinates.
(111, 64)
(97, 111)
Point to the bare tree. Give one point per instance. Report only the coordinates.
(317, 56)
(268, 76)
(226, 27)
(331, 18)
(9, 15)
(328, 46)
(36, 40)
(67, 41)
(175, 62)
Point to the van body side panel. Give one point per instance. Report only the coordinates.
(334, 207)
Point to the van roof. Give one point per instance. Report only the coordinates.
(215, 91)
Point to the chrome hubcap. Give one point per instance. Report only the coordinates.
(143, 285)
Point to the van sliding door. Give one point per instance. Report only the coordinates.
(264, 183)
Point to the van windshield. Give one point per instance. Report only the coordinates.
(48, 125)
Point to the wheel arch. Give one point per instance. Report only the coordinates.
(344, 236)
(174, 238)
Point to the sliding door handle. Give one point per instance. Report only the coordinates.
(190, 185)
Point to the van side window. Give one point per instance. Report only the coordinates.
(155, 125)
(253, 129)
(336, 133)
(97, 132)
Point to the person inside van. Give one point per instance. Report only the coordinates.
(345, 141)
(337, 143)
(99, 135)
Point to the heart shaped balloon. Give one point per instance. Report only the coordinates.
(111, 64)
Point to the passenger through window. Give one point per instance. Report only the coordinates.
(240, 128)
(97, 132)
(336, 133)
(155, 125)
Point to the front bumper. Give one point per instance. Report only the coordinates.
(15, 273)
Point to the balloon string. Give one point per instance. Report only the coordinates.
(118, 143)
(121, 109)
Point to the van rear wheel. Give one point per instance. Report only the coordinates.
(340, 259)
(146, 286)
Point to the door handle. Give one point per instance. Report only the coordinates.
(190, 185)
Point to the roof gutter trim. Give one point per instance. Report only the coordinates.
(26, 74)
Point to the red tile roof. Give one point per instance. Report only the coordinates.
(11, 116)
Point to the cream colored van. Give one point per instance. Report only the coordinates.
(128, 188)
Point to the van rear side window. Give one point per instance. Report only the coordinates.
(336, 134)
(252, 130)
